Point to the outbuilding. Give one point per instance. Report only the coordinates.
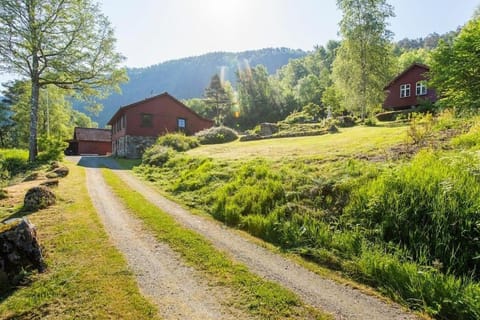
(92, 141)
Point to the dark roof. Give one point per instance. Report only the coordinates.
(427, 68)
(92, 134)
(165, 94)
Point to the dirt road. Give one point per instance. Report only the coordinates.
(340, 300)
(179, 291)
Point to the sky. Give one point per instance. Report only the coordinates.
(153, 31)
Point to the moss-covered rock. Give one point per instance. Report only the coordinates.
(39, 197)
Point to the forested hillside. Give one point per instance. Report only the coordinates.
(187, 78)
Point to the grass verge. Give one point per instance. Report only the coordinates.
(261, 298)
(87, 278)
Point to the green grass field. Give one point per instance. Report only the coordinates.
(349, 141)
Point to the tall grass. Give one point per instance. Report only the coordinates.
(12, 162)
(410, 229)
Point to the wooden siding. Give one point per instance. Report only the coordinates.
(411, 75)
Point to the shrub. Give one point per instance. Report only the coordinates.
(470, 139)
(157, 155)
(298, 117)
(13, 162)
(421, 128)
(371, 122)
(178, 141)
(52, 149)
(216, 135)
(344, 121)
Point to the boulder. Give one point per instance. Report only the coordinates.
(54, 165)
(59, 172)
(38, 198)
(267, 129)
(19, 250)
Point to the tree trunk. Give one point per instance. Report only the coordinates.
(32, 141)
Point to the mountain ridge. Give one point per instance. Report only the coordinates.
(187, 78)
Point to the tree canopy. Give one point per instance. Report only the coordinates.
(66, 43)
(455, 69)
(363, 64)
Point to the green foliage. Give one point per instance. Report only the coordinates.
(471, 139)
(364, 63)
(157, 155)
(71, 45)
(298, 117)
(12, 162)
(219, 98)
(429, 207)
(454, 70)
(178, 141)
(421, 128)
(51, 149)
(216, 135)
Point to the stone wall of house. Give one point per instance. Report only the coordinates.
(135, 146)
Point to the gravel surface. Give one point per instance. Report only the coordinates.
(342, 301)
(179, 291)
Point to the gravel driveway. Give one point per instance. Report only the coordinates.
(342, 301)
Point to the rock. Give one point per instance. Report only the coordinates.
(59, 172)
(50, 183)
(267, 129)
(19, 250)
(38, 198)
(54, 165)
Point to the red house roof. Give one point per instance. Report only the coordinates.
(166, 94)
(92, 134)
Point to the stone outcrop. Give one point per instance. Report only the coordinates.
(19, 250)
(38, 198)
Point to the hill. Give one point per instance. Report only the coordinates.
(187, 78)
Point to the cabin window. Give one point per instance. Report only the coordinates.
(421, 89)
(405, 90)
(147, 120)
(181, 124)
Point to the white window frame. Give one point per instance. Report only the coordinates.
(181, 124)
(405, 90)
(421, 88)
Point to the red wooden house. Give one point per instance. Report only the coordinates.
(409, 89)
(90, 141)
(138, 125)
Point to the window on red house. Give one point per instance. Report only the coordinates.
(405, 90)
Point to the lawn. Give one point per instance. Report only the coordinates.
(357, 140)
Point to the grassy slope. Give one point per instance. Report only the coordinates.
(261, 298)
(350, 141)
(87, 278)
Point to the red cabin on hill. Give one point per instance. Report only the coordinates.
(409, 89)
(90, 141)
(137, 126)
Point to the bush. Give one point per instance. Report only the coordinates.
(13, 162)
(371, 122)
(178, 141)
(216, 135)
(52, 149)
(344, 121)
(298, 117)
(157, 155)
(471, 139)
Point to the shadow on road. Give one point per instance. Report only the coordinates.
(95, 162)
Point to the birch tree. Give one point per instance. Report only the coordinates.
(66, 43)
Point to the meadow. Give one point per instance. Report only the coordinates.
(393, 207)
